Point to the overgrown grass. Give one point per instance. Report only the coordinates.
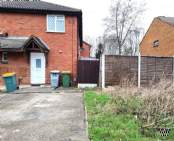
(106, 125)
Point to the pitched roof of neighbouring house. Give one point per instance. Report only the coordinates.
(169, 20)
(87, 43)
(36, 5)
(19, 43)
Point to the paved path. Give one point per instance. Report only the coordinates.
(42, 117)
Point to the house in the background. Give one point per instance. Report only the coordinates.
(85, 50)
(38, 37)
(159, 39)
(110, 46)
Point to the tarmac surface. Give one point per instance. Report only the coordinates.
(47, 116)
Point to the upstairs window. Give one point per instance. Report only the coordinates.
(156, 43)
(56, 23)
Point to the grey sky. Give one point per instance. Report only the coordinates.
(94, 11)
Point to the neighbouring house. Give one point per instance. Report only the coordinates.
(110, 46)
(38, 37)
(85, 50)
(159, 39)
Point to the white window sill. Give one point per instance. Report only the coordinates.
(55, 32)
(4, 61)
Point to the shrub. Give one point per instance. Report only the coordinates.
(120, 105)
(153, 106)
(158, 106)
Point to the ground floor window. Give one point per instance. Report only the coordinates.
(4, 57)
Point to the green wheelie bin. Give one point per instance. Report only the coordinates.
(10, 81)
(66, 78)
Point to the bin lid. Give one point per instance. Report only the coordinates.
(8, 74)
(55, 71)
(66, 72)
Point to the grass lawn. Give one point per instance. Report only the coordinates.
(106, 126)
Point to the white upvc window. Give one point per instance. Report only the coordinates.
(4, 57)
(56, 23)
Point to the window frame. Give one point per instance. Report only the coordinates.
(55, 31)
(2, 58)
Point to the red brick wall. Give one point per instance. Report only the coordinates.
(18, 63)
(163, 32)
(86, 50)
(63, 46)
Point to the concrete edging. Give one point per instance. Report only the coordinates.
(86, 118)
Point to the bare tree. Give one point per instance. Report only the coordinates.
(99, 50)
(123, 18)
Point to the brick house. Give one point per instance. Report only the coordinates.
(159, 39)
(37, 37)
(85, 50)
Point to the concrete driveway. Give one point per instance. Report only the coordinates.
(42, 117)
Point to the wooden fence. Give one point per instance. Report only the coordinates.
(123, 68)
(88, 71)
(155, 68)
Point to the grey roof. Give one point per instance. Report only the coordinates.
(35, 5)
(12, 42)
(169, 20)
(19, 43)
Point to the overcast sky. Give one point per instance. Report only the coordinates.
(94, 11)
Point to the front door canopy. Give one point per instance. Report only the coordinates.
(22, 44)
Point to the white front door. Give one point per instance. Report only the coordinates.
(37, 68)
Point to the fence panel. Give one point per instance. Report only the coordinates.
(119, 68)
(155, 68)
(88, 71)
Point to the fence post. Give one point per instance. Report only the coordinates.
(103, 71)
(139, 70)
(173, 71)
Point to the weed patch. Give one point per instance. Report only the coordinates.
(116, 118)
